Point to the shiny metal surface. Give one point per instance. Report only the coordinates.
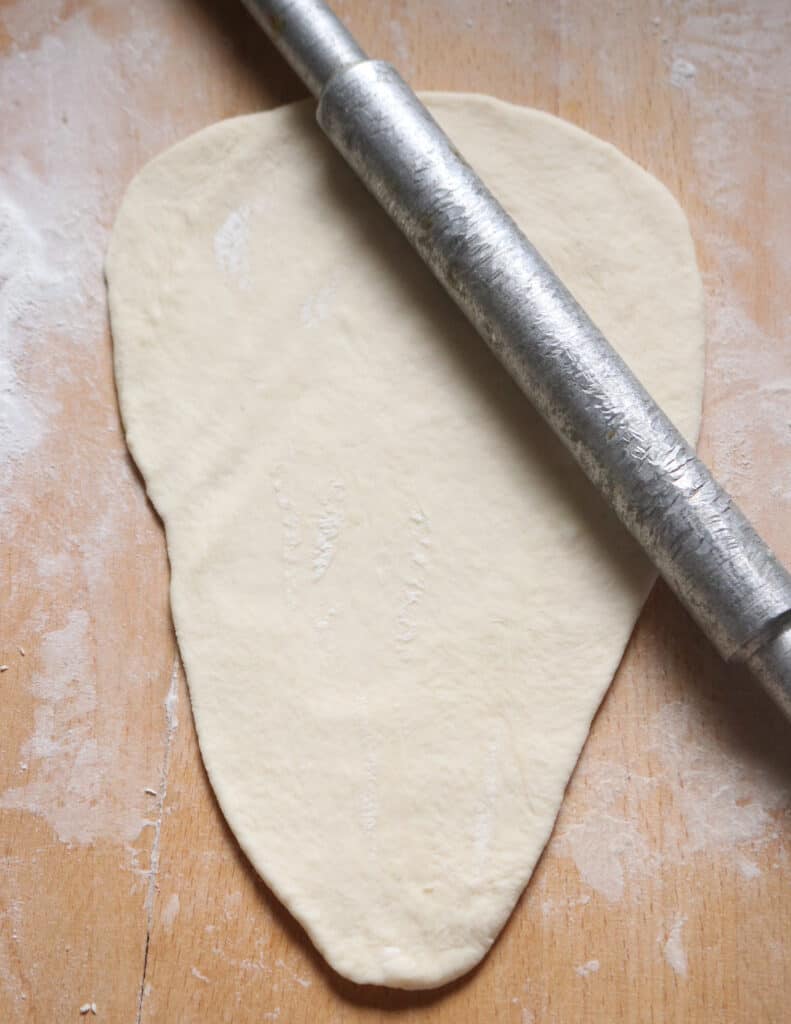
(689, 526)
(314, 42)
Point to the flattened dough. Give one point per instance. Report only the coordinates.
(398, 602)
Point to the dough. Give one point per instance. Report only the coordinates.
(398, 602)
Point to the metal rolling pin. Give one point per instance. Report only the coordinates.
(703, 546)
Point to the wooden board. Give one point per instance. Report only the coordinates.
(663, 894)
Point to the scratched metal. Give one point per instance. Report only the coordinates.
(702, 544)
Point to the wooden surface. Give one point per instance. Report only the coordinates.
(664, 893)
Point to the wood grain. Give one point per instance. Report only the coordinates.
(663, 894)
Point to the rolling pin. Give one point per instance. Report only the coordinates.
(701, 543)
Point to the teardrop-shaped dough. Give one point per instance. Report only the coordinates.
(398, 601)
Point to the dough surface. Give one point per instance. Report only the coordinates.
(398, 602)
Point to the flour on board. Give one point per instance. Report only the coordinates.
(673, 947)
(55, 210)
(727, 806)
(170, 912)
(591, 967)
(682, 72)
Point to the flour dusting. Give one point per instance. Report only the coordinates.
(740, 57)
(551, 906)
(606, 841)
(747, 868)
(328, 528)
(71, 508)
(727, 802)
(26, 278)
(729, 805)
(66, 767)
(171, 912)
(587, 968)
(232, 246)
(682, 72)
(673, 947)
(23, 422)
(302, 982)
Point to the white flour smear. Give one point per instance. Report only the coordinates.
(72, 513)
(606, 841)
(729, 804)
(329, 524)
(682, 72)
(591, 967)
(232, 247)
(67, 483)
(673, 947)
(170, 912)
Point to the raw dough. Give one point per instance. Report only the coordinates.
(398, 602)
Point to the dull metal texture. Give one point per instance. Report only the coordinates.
(689, 526)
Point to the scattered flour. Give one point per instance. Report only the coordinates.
(606, 841)
(23, 423)
(170, 912)
(66, 783)
(328, 528)
(549, 907)
(232, 247)
(747, 868)
(588, 968)
(682, 72)
(673, 947)
(302, 982)
(71, 508)
(742, 56)
(729, 804)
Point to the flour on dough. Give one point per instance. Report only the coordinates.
(398, 602)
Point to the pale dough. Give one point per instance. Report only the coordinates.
(397, 600)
